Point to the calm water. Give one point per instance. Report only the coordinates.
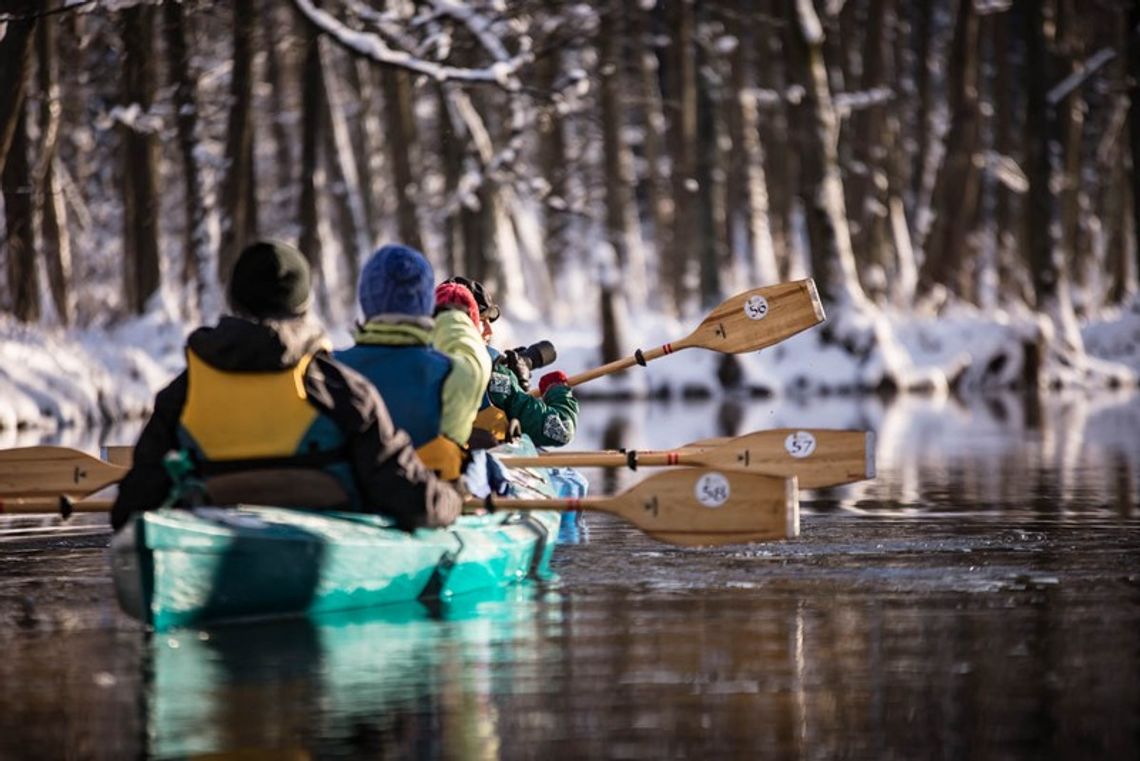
(979, 599)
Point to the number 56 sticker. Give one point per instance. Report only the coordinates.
(800, 444)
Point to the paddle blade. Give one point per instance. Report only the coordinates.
(758, 318)
(817, 457)
(52, 471)
(697, 507)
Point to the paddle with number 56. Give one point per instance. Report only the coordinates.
(746, 322)
(818, 457)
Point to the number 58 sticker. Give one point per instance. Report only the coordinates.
(712, 489)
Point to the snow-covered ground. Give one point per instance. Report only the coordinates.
(91, 377)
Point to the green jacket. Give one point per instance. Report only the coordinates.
(549, 421)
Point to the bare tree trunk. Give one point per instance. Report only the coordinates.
(400, 131)
(451, 156)
(239, 224)
(1007, 232)
(552, 159)
(681, 78)
(924, 31)
(358, 240)
(312, 106)
(279, 71)
(821, 188)
(1134, 123)
(367, 144)
(958, 186)
(1071, 114)
(620, 216)
(711, 242)
(49, 196)
(1046, 263)
(747, 178)
(195, 235)
(16, 53)
(867, 185)
(780, 166)
(139, 160)
(649, 86)
(20, 240)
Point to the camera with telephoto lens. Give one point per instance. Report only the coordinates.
(538, 355)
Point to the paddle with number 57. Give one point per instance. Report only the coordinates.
(818, 457)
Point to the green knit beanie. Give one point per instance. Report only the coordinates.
(270, 279)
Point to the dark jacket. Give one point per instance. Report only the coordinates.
(388, 477)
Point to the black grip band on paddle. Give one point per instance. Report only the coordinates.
(488, 504)
(639, 358)
(631, 459)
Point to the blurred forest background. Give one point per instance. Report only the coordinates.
(907, 155)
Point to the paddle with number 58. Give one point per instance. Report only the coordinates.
(690, 507)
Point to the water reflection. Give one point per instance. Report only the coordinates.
(979, 598)
(401, 681)
(1065, 452)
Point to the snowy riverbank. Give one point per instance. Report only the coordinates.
(52, 378)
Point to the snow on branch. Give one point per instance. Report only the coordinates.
(1080, 75)
(503, 72)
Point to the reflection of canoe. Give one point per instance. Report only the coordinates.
(340, 684)
(182, 567)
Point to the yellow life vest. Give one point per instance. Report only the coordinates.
(246, 415)
(494, 420)
(444, 456)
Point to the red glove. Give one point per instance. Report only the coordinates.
(455, 296)
(556, 378)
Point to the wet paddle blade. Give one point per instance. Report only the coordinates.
(52, 471)
(696, 507)
(817, 457)
(758, 318)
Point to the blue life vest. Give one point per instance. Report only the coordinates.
(409, 379)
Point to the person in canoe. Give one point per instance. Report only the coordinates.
(263, 414)
(431, 373)
(550, 419)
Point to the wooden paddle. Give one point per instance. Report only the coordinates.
(746, 322)
(691, 507)
(818, 457)
(52, 471)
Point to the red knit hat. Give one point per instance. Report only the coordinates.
(455, 295)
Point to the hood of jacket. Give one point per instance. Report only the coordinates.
(395, 330)
(236, 344)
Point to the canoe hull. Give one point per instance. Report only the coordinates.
(177, 568)
(184, 567)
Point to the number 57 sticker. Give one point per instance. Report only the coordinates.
(800, 444)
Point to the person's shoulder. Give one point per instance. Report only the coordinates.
(343, 385)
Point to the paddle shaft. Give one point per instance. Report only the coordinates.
(602, 459)
(60, 505)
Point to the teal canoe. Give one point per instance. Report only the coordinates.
(174, 567)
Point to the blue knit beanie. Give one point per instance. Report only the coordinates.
(397, 280)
